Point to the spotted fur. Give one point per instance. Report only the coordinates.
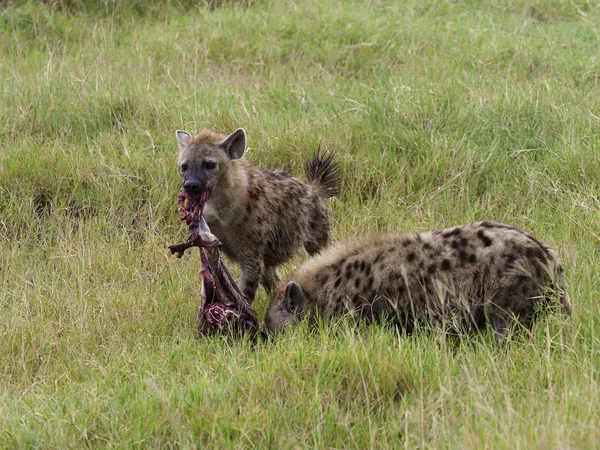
(480, 273)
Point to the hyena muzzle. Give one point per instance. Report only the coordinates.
(262, 217)
(484, 273)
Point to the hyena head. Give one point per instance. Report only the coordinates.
(290, 308)
(204, 159)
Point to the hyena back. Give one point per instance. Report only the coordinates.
(480, 273)
(262, 217)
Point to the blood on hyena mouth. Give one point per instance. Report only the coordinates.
(192, 206)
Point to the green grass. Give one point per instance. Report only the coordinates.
(441, 112)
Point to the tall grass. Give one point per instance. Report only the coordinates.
(440, 112)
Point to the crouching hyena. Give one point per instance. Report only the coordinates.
(484, 272)
(262, 217)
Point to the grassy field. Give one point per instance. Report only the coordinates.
(441, 112)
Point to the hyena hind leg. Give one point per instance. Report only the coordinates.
(318, 238)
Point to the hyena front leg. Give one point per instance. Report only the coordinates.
(502, 320)
(500, 323)
(511, 310)
(251, 272)
(269, 279)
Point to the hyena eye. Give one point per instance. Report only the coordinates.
(184, 167)
(210, 165)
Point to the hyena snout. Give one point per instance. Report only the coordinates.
(192, 186)
(196, 185)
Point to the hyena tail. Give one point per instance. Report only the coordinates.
(323, 173)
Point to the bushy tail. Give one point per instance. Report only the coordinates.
(323, 173)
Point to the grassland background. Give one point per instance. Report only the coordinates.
(441, 112)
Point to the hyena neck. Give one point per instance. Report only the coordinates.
(228, 198)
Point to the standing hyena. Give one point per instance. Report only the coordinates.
(479, 273)
(262, 217)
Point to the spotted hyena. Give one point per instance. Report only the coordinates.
(480, 273)
(262, 217)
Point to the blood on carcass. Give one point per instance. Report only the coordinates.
(223, 306)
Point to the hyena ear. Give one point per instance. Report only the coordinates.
(183, 137)
(235, 144)
(293, 298)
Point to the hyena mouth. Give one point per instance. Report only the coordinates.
(192, 208)
(223, 306)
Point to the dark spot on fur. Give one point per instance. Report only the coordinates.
(363, 266)
(406, 243)
(357, 282)
(463, 242)
(454, 244)
(337, 282)
(348, 274)
(560, 269)
(487, 224)
(455, 232)
(510, 257)
(472, 258)
(431, 269)
(368, 270)
(543, 248)
(392, 249)
(484, 238)
(463, 256)
(535, 253)
(445, 265)
(426, 246)
(355, 264)
(369, 283)
(253, 194)
(411, 256)
(378, 258)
